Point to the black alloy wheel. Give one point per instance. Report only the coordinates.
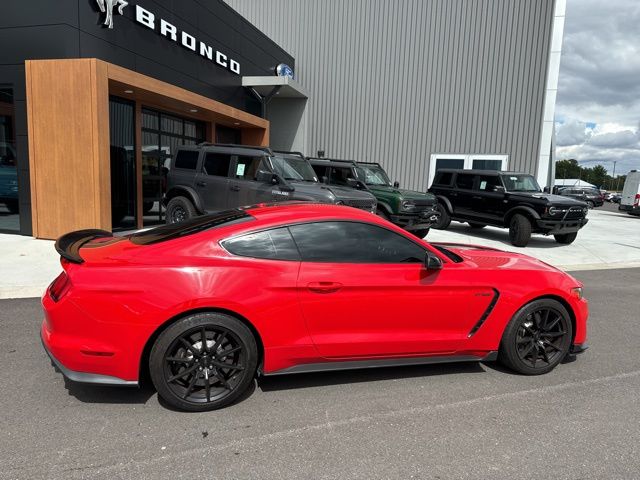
(203, 362)
(590, 204)
(538, 338)
(519, 230)
(445, 219)
(179, 209)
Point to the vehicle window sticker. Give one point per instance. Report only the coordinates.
(240, 170)
(483, 185)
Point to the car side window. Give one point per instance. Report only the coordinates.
(217, 164)
(353, 242)
(275, 244)
(187, 159)
(340, 175)
(443, 178)
(247, 167)
(488, 183)
(464, 180)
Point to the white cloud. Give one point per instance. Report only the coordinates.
(600, 84)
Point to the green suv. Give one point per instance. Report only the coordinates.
(411, 210)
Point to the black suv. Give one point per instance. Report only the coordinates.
(411, 210)
(591, 196)
(211, 177)
(508, 200)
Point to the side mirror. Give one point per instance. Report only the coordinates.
(266, 177)
(353, 183)
(431, 262)
(546, 190)
(396, 184)
(498, 189)
(325, 180)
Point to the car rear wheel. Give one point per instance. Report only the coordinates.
(445, 219)
(566, 238)
(537, 339)
(476, 225)
(519, 230)
(203, 362)
(180, 209)
(590, 204)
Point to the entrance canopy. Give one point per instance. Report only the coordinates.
(284, 87)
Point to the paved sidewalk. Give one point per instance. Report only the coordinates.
(609, 240)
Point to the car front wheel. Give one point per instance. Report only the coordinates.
(519, 230)
(421, 233)
(537, 339)
(445, 219)
(566, 238)
(203, 362)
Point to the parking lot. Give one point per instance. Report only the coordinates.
(441, 421)
(610, 239)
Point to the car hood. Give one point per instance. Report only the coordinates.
(343, 193)
(406, 194)
(557, 200)
(486, 257)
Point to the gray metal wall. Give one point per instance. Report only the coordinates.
(395, 81)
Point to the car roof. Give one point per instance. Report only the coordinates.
(299, 210)
(248, 149)
(329, 161)
(480, 172)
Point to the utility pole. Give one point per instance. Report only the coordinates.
(614, 173)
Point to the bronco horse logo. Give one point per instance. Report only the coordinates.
(106, 6)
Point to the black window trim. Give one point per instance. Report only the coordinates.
(437, 252)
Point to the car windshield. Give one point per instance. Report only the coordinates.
(291, 168)
(520, 183)
(372, 175)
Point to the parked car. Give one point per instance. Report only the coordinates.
(204, 305)
(591, 196)
(414, 211)
(8, 177)
(630, 198)
(509, 200)
(207, 178)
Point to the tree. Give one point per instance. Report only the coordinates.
(567, 168)
(598, 176)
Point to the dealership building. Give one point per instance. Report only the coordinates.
(96, 95)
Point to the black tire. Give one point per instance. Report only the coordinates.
(146, 207)
(476, 225)
(12, 206)
(566, 238)
(519, 230)
(191, 378)
(423, 232)
(590, 204)
(180, 209)
(445, 218)
(382, 214)
(537, 339)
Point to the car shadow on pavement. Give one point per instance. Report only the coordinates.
(109, 394)
(502, 236)
(319, 379)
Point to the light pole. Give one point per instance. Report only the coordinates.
(614, 173)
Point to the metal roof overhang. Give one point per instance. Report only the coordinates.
(284, 87)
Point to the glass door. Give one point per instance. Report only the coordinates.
(123, 164)
(162, 134)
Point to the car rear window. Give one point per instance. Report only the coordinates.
(194, 225)
(276, 244)
(443, 178)
(187, 159)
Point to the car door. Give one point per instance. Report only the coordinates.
(364, 292)
(212, 181)
(461, 196)
(488, 198)
(244, 187)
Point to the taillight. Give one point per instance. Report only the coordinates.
(636, 201)
(59, 287)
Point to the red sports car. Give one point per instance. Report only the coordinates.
(205, 305)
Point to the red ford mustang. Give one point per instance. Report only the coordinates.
(205, 305)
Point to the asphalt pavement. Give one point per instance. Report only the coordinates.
(457, 421)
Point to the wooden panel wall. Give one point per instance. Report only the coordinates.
(68, 119)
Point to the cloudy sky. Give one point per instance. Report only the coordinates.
(598, 103)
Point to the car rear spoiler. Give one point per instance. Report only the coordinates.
(68, 245)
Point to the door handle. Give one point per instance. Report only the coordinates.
(453, 194)
(324, 287)
(477, 197)
(201, 184)
(235, 188)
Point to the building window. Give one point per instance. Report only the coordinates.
(466, 161)
(123, 163)
(162, 134)
(9, 204)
